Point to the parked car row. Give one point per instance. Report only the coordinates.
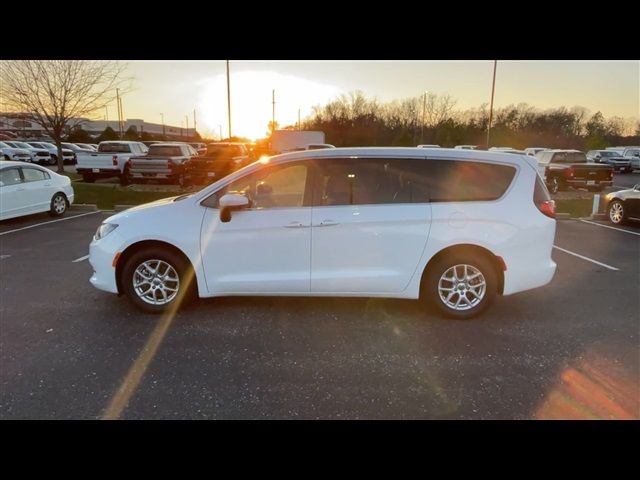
(44, 153)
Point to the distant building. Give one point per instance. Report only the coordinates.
(18, 124)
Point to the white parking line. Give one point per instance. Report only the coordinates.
(586, 258)
(80, 259)
(51, 221)
(609, 226)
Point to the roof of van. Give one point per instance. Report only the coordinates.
(453, 153)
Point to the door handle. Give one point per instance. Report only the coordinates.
(294, 225)
(327, 223)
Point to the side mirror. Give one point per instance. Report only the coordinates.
(230, 202)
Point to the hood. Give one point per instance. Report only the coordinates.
(163, 203)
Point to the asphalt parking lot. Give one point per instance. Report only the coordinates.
(69, 351)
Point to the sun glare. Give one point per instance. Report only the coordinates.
(251, 102)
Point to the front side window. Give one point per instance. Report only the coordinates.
(34, 175)
(10, 176)
(282, 186)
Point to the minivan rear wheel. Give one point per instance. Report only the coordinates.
(157, 279)
(461, 285)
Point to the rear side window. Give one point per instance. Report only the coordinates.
(34, 175)
(389, 181)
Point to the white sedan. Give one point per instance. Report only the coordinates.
(28, 188)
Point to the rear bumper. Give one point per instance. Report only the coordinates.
(518, 280)
(107, 172)
(585, 183)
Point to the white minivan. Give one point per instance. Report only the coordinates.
(456, 227)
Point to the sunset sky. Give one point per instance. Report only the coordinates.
(176, 88)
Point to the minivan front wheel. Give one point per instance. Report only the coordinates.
(156, 280)
(461, 286)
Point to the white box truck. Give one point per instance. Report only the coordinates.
(289, 140)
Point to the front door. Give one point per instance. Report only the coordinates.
(13, 201)
(263, 249)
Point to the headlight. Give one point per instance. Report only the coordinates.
(104, 230)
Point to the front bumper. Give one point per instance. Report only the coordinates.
(104, 273)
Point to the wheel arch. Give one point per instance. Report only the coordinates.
(466, 248)
(144, 244)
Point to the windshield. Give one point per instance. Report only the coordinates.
(166, 150)
(22, 145)
(609, 153)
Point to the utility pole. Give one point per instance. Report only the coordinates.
(220, 127)
(187, 117)
(106, 110)
(229, 98)
(299, 124)
(273, 111)
(163, 129)
(195, 125)
(493, 88)
(119, 114)
(424, 108)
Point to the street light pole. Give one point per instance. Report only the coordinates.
(187, 132)
(163, 129)
(220, 127)
(229, 99)
(493, 88)
(273, 111)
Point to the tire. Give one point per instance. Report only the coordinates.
(53, 160)
(616, 212)
(158, 258)
(88, 178)
(59, 205)
(6, 157)
(124, 178)
(436, 286)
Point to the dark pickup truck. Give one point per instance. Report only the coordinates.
(569, 168)
(220, 160)
(163, 162)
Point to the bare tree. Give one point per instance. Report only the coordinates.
(55, 93)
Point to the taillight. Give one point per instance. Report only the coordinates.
(569, 172)
(547, 208)
(115, 160)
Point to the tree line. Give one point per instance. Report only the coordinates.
(355, 120)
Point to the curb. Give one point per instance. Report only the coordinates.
(83, 207)
(120, 208)
(598, 216)
(563, 216)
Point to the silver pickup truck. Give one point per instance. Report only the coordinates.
(109, 161)
(163, 162)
